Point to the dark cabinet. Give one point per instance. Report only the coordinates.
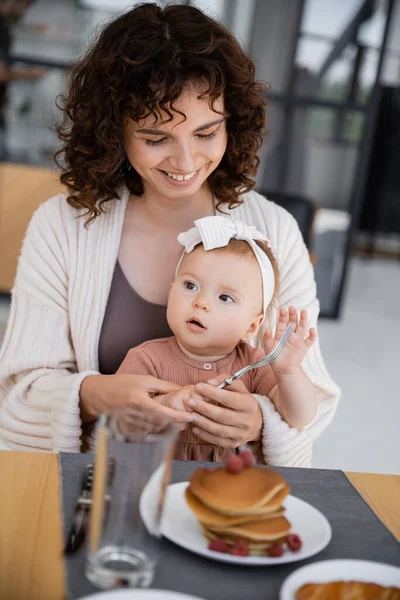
(381, 205)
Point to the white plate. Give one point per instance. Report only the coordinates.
(140, 595)
(181, 527)
(340, 570)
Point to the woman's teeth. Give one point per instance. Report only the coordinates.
(181, 177)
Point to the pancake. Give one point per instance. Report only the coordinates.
(240, 508)
(208, 516)
(269, 530)
(238, 494)
(255, 549)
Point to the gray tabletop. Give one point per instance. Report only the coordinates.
(356, 533)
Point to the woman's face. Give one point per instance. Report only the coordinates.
(175, 158)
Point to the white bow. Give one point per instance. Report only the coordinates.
(216, 232)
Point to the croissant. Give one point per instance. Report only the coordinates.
(347, 590)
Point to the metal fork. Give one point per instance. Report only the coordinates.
(267, 360)
(79, 527)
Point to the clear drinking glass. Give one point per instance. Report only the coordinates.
(132, 471)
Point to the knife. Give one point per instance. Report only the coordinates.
(78, 530)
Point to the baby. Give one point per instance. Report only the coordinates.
(225, 281)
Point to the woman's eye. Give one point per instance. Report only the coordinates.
(155, 142)
(207, 136)
(189, 285)
(226, 298)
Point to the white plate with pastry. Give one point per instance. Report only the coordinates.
(140, 595)
(319, 579)
(181, 527)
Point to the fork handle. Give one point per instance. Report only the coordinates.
(263, 362)
(225, 383)
(229, 380)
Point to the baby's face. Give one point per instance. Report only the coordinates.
(215, 301)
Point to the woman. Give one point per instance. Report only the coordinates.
(161, 127)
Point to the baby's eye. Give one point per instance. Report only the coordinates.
(226, 298)
(189, 285)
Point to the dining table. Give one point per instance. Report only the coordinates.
(31, 538)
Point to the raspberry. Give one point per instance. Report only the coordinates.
(241, 548)
(247, 458)
(276, 550)
(294, 542)
(218, 545)
(234, 464)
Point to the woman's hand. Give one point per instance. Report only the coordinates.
(298, 344)
(136, 394)
(229, 418)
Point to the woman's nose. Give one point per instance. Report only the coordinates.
(184, 160)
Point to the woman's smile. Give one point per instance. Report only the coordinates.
(181, 179)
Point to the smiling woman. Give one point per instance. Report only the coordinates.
(181, 152)
(188, 92)
(161, 127)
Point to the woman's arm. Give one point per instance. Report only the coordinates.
(282, 444)
(40, 386)
(138, 395)
(39, 382)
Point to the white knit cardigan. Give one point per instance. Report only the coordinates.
(58, 304)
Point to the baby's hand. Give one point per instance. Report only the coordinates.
(178, 398)
(297, 345)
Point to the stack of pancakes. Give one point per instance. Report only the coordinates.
(245, 506)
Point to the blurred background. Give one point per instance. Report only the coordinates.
(331, 157)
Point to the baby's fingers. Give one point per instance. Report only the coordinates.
(268, 340)
(293, 318)
(302, 328)
(309, 341)
(281, 324)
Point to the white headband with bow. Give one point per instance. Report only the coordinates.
(216, 232)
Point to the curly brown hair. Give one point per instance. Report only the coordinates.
(140, 65)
